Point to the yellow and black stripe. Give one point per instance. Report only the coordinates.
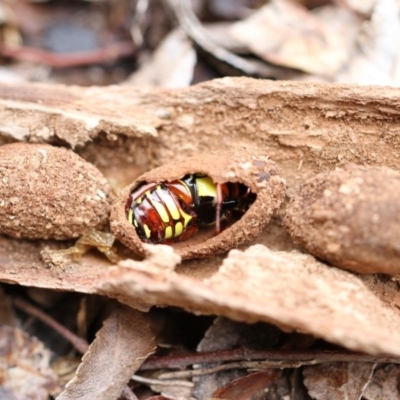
(158, 216)
(171, 211)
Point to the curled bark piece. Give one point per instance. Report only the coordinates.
(350, 217)
(48, 192)
(247, 167)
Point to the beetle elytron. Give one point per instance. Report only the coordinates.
(167, 212)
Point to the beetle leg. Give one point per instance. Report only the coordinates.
(218, 209)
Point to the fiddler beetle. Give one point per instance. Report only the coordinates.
(168, 212)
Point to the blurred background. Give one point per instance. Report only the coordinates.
(176, 43)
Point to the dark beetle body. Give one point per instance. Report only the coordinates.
(173, 211)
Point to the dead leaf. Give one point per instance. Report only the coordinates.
(24, 367)
(375, 59)
(384, 384)
(287, 34)
(185, 13)
(360, 6)
(171, 66)
(172, 389)
(119, 349)
(337, 381)
(246, 387)
(225, 334)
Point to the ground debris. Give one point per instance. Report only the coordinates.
(119, 349)
(25, 367)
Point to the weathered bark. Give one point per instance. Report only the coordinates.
(305, 128)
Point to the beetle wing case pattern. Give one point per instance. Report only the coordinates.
(173, 211)
(172, 203)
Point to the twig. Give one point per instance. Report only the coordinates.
(194, 29)
(249, 365)
(192, 26)
(368, 381)
(241, 354)
(128, 394)
(150, 381)
(66, 60)
(138, 23)
(80, 344)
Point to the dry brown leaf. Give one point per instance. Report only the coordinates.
(291, 290)
(384, 384)
(337, 381)
(375, 59)
(360, 6)
(171, 389)
(246, 387)
(186, 14)
(24, 367)
(171, 66)
(288, 34)
(219, 32)
(226, 334)
(120, 347)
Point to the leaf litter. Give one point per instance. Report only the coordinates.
(25, 364)
(119, 349)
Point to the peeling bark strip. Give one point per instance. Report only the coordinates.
(290, 290)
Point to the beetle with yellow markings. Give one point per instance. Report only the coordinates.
(173, 211)
(201, 205)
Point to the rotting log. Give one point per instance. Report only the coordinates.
(306, 128)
